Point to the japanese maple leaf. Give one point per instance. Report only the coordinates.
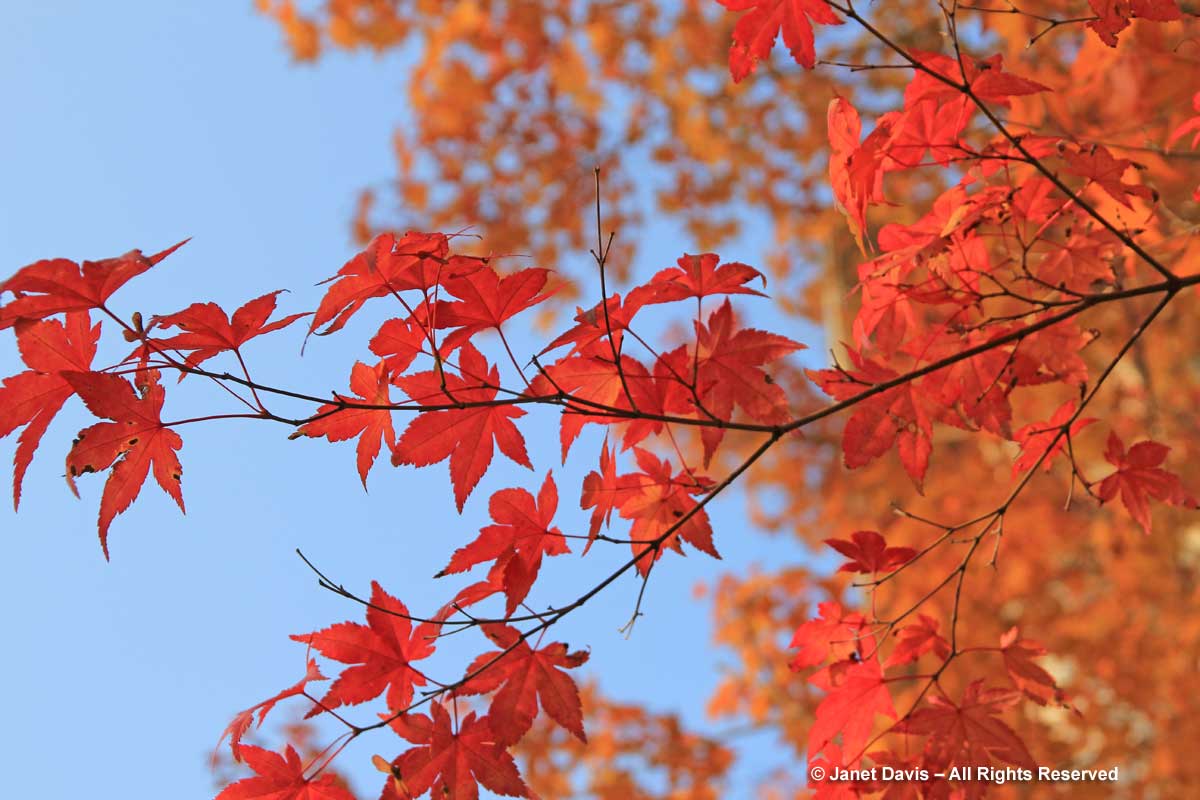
(869, 553)
(1139, 478)
(485, 300)
(990, 82)
(32, 398)
(454, 764)
(281, 777)
(241, 723)
(517, 542)
(986, 77)
(526, 677)
(915, 640)
(386, 267)
(926, 241)
(1097, 164)
(663, 510)
(399, 342)
(698, 276)
(972, 393)
(598, 388)
(133, 444)
(1082, 261)
(856, 169)
(208, 330)
(1114, 15)
(835, 631)
(970, 732)
(1052, 355)
(380, 654)
(374, 272)
(929, 127)
(605, 491)
(590, 334)
(899, 417)
(1043, 439)
(58, 285)
(855, 695)
(729, 372)
(1037, 684)
(373, 426)
(756, 31)
(466, 435)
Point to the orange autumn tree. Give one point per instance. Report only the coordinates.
(995, 450)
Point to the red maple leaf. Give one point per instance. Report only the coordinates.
(32, 398)
(466, 435)
(281, 777)
(915, 640)
(1036, 437)
(990, 82)
(399, 342)
(454, 765)
(1115, 15)
(869, 553)
(1139, 478)
(57, 285)
(835, 631)
(386, 267)
(136, 441)
(899, 417)
(208, 330)
(1053, 355)
(929, 127)
(1097, 164)
(594, 324)
(1082, 261)
(241, 723)
(373, 426)
(729, 372)
(598, 389)
(525, 677)
(855, 695)
(986, 78)
(659, 502)
(969, 732)
(517, 542)
(605, 492)
(756, 31)
(381, 654)
(485, 300)
(697, 276)
(856, 169)
(972, 393)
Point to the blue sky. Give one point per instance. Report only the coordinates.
(137, 124)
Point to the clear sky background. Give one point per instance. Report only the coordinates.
(136, 124)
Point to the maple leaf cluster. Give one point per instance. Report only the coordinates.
(459, 411)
